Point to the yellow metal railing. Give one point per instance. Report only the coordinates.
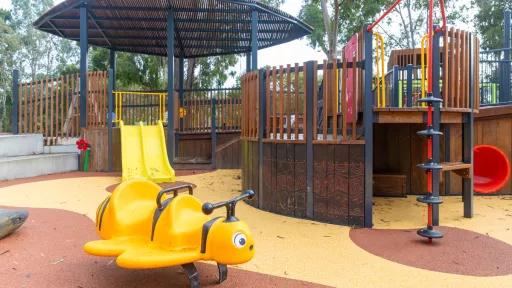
(121, 97)
(380, 79)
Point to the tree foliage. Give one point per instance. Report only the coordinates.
(335, 21)
(489, 21)
(411, 19)
(9, 44)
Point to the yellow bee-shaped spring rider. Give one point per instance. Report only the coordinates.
(146, 227)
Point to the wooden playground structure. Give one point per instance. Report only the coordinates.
(325, 138)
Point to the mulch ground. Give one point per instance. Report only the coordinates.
(459, 252)
(47, 252)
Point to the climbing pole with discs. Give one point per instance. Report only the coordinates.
(432, 166)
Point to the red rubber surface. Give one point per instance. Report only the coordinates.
(46, 252)
(491, 169)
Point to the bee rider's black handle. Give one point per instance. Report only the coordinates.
(230, 205)
(175, 190)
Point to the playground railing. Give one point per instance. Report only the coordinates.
(197, 105)
(457, 49)
(330, 91)
(51, 106)
(495, 77)
(193, 113)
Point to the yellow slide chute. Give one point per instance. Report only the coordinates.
(144, 153)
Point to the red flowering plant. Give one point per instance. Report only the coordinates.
(82, 144)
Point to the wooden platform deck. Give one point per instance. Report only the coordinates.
(418, 115)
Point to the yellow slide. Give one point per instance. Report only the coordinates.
(144, 153)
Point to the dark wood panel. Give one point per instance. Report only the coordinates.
(319, 182)
(338, 209)
(356, 185)
(290, 179)
(281, 171)
(300, 180)
(267, 176)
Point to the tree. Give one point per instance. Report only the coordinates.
(411, 18)
(335, 21)
(489, 21)
(36, 53)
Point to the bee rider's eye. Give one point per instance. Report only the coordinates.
(239, 240)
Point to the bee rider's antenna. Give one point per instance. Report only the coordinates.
(230, 205)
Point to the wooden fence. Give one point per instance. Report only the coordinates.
(456, 48)
(51, 106)
(335, 96)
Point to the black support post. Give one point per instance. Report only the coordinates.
(111, 80)
(170, 87)
(261, 132)
(112, 65)
(409, 85)
(368, 128)
(248, 64)
(309, 78)
(254, 40)
(213, 130)
(84, 46)
(506, 69)
(181, 96)
(15, 102)
(396, 89)
(468, 139)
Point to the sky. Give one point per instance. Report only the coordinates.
(297, 51)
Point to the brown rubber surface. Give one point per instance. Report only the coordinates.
(461, 251)
(47, 252)
(7, 183)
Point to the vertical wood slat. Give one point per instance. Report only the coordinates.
(315, 100)
(296, 80)
(305, 103)
(40, 106)
(452, 67)
(281, 102)
(456, 68)
(464, 70)
(446, 85)
(31, 109)
(336, 81)
(344, 99)
(288, 102)
(50, 139)
(325, 100)
(45, 129)
(354, 98)
(267, 94)
(274, 103)
(468, 69)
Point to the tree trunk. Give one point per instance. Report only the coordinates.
(191, 67)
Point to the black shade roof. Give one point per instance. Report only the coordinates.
(203, 27)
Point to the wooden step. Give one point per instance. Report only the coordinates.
(459, 168)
